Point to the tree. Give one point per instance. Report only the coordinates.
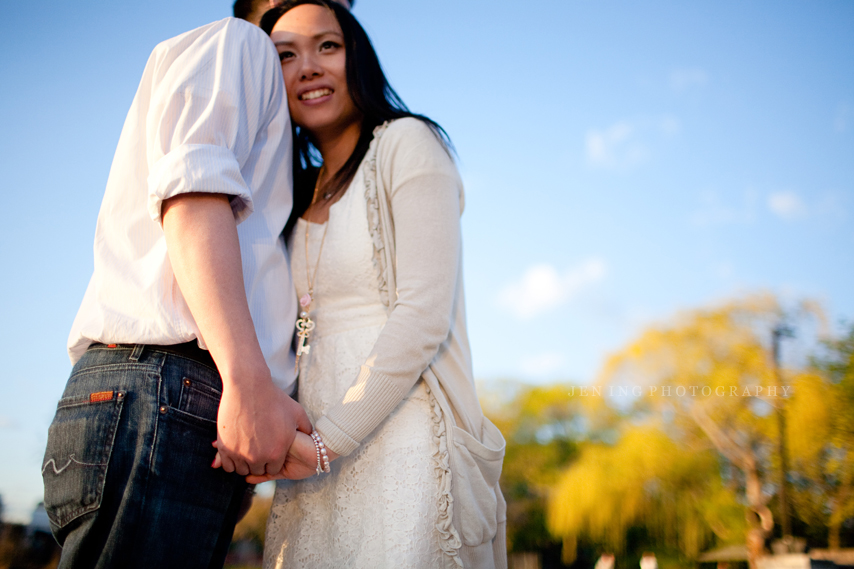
(821, 438)
(540, 426)
(708, 375)
(671, 488)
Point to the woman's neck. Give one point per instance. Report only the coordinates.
(336, 148)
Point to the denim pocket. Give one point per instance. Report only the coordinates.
(199, 401)
(79, 445)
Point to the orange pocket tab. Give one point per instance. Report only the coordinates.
(100, 396)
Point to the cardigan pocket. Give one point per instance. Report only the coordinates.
(476, 470)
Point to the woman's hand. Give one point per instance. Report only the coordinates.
(300, 463)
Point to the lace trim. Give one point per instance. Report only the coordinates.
(374, 222)
(449, 539)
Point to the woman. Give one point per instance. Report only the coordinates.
(386, 373)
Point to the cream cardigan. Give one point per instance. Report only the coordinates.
(415, 199)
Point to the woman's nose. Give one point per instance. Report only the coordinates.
(310, 67)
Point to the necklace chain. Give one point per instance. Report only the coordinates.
(311, 280)
(304, 324)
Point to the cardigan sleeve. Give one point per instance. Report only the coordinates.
(426, 202)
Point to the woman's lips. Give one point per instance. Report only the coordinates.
(315, 94)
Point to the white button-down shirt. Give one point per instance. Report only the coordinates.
(210, 115)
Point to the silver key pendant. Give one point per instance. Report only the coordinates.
(304, 327)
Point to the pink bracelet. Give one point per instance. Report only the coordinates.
(322, 458)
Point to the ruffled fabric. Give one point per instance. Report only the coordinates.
(374, 222)
(449, 539)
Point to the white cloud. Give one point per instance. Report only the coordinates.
(683, 79)
(786, 205)
(6, 423)
(542, 287)
(624, 144)
(609, 146)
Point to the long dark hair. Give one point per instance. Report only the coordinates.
(371, 94)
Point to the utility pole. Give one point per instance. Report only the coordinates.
(782, 331)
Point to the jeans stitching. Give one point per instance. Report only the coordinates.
(153, 446)
(136, 353)
(189, 418)
(109, 441)
(71, 458)
(99, 368)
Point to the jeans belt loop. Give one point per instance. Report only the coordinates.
(137, 352)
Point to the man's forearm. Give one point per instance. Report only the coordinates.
(256, 422)
(201, 237)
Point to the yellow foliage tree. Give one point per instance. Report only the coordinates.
(821, 439)
(709, 378)
(645, 479)
(539, 426)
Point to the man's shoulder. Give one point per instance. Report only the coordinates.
(226, 31)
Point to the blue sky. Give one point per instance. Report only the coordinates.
(622, 161)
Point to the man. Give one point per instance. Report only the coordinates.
(252, 10)
(183, 337)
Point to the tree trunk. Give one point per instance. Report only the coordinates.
(755, 541)
(759, 517)
(760, 520)
(838, 515)
(833, 534)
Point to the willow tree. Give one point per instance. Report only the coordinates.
(708, 374)
(671, 488)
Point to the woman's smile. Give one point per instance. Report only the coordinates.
(316, 95)
(314, 66)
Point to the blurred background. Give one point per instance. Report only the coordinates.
(658, 195)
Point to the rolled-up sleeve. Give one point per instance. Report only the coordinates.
(208, 106)
(198, 168)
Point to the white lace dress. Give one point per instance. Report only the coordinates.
(379, 505)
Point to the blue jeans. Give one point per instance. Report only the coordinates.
(127, 470)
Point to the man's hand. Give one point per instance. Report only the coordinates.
(256, 424)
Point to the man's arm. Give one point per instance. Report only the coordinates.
(257, 422)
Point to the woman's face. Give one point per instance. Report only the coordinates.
(311, 47)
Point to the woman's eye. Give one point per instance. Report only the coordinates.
(329, 45)
(283, 55)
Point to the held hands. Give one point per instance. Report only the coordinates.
(300, 463)
(255, 423)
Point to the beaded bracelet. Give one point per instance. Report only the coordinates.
(322, 458)
(317, 450)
